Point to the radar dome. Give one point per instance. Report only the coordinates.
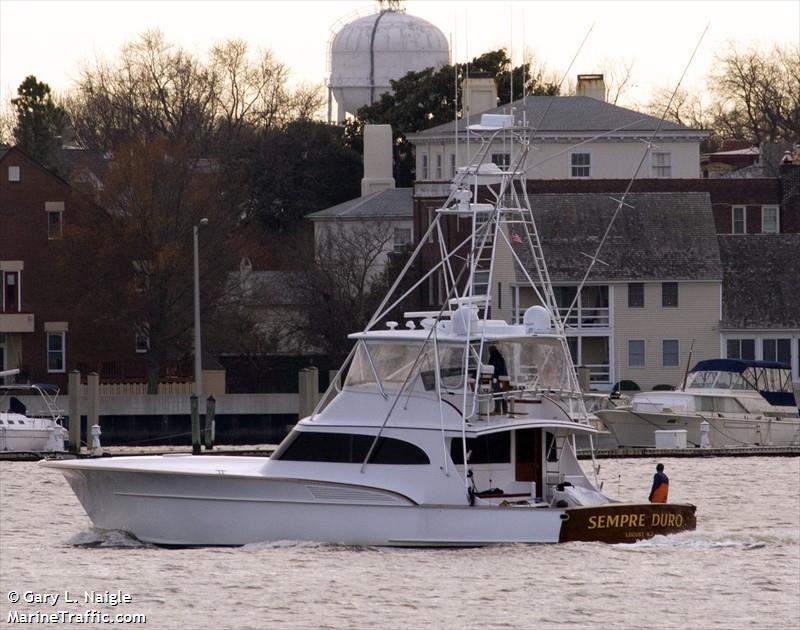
(370, 51)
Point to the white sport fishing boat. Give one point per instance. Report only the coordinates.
(30, 421)
(406, 448)
(742, 402)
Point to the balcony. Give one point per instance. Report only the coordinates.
(16, 322)
(583, 318)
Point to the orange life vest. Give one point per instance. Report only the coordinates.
(660, 494)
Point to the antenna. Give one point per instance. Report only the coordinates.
(635, 173)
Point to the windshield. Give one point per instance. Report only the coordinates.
(530, 364)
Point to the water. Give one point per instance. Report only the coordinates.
(739, 569)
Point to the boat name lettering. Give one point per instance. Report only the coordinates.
(605, 521)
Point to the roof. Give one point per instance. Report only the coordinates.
(393, 203)
(759, 289)
(656, 236)
(565, 114)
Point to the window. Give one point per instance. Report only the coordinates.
(503, 160)
(661, 164)
(580, 164)
(452, 165)
(141, 339)
(439, 174)
(741, 349)
(424, 166)
(635, 295)
(55, 352)
(670, 353)
(55, 224)
(13, 174)
(494, 448)
(402, 239)
(348, 448)
(777, 350)
(669, 294)
(739, 220)
(769, 220)
(11, 296)
(431, 219)
(635, 353)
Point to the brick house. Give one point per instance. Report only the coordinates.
(41, 331)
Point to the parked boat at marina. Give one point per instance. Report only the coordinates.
(33, 427)
(743, 403)
(422, 440)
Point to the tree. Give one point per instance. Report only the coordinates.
(344, 286)
(427, 98)
(758, 94)
(141, 244)
(754, 96)
(39, 121)
(296, 170)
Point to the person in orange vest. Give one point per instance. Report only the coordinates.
(660, 486)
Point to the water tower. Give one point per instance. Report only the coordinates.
(368, 52)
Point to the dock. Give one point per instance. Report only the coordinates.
(728, 451)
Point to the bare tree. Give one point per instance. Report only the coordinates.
(758, 94)
(618, 76)
(342, 289)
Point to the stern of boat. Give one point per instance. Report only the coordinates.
(626, 522)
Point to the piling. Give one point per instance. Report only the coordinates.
(74, 388)
(195, 424)
(211, 412)
(308, 391)
(92, 402)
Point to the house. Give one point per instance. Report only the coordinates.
(44, 332)
(760, 298)
(382, 214)
(576, 137)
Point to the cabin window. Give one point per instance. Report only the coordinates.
(635, 353)
(494, 448)
(669, 294)
(739, 220)
(580, 164)
(777, 350)
(635, 295)
(769, 219)
(55, 351)
(670, 352)
(349, 448)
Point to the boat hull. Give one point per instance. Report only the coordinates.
(636, 429)
(205, 509)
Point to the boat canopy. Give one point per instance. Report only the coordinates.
(771, 379)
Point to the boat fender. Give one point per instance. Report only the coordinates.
(565, 517)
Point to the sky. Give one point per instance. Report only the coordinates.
(54, 39)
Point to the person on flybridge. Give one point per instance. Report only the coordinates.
(660, 486)
(500, 375)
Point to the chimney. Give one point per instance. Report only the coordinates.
(479, 92)
(377, 159)
(591, 85)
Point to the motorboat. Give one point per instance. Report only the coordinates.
(30, 421)
(425, 438)
(725, 402)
